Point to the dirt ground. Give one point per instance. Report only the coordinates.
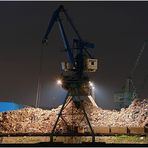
(108, 139)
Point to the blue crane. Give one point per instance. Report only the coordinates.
(74, 72)
(75, 57)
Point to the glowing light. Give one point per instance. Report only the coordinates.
(93, 87)
(59, 82)
(91, 84)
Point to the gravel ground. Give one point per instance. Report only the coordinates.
(107, 139)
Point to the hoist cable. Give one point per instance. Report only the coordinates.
(37, 101)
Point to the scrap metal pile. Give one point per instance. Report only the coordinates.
(34, 120)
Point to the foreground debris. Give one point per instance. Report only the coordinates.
(31, 119)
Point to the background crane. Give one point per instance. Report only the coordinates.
(129, 92)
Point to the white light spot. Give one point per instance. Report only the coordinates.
(59, 82)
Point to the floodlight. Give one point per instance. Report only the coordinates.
(59, 82)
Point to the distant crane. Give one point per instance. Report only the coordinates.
(73, 77)
(143, 84)
(129, 92)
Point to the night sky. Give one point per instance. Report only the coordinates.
(118, 30)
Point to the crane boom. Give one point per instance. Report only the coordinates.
(138, 58)
(56, 18)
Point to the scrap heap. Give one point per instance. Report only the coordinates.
(34, 120)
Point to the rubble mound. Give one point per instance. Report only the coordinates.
(136, 115)
(28, 119)
(31, 119)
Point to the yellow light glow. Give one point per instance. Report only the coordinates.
(59, 82)
(91, 84)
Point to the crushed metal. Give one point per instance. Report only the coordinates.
(31, 119)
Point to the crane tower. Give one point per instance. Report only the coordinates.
(74, 76)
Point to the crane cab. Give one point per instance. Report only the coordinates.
(91, 65)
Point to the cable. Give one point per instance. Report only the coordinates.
(37, 101)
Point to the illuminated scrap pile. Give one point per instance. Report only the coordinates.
(38, 120)
(135, 115)
(28, 120)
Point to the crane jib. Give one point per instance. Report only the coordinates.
(79, 58)
(56, 18)
(66, 43)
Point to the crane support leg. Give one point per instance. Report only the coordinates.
(92, 132)
(72, 95)
(60, 113)
(85, 115)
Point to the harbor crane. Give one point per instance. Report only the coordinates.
(129, 93)
(74, 77)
